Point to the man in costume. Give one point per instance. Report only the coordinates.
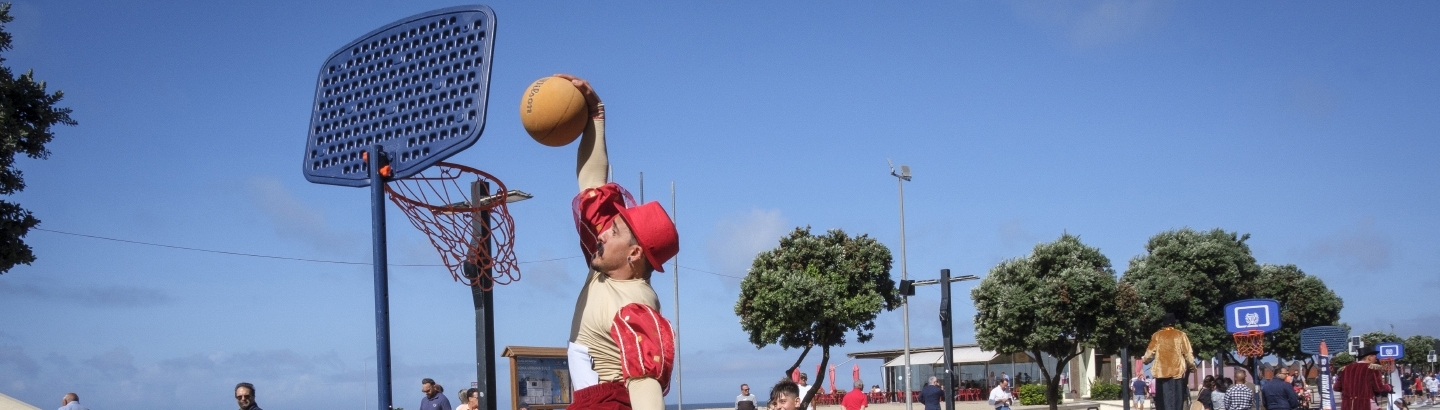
(621, 350)
(1361, 381)
(1173, 359)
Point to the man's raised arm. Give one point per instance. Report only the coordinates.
(592, 162)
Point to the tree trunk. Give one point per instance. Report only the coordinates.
(798, 361)
(1052, 383)
(819, 378)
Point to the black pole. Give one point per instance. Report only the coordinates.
(382, 282)
(1125, 392)
(484, 303)
(1254, 378)
(948, 333)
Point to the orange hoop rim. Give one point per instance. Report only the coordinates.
(1250, 343)
(450, 221)
(447, 207)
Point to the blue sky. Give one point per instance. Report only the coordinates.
(1310, 126)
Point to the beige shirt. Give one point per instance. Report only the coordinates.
(595, 310)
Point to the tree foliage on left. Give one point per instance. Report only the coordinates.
(1061, 297)
(812, 290)
(27, 113)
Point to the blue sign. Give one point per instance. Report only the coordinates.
(1389, 350)
(1252, 314)
(1327, 392)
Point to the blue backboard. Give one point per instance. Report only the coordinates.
(1252, 314)
(417, 86)
(1389, 350)
(1335, 337)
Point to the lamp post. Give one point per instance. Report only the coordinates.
(900, 179)
(485, 299)
(946, 329)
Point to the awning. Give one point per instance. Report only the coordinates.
(962, 355)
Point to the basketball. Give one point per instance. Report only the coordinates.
(553, 111)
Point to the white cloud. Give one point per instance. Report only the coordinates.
(1361, 248)
(104, 296)
(1087, 25)
(736, 240)
(298, 221)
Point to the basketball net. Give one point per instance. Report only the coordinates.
(1250, 343)
(470, 227)
(1389, 365)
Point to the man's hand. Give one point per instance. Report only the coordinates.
(592, 100)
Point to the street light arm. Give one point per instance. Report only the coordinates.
(929, 282)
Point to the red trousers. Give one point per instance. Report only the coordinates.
(603, 396)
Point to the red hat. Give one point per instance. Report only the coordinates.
(654, 231)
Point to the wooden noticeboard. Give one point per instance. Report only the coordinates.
(539, 377)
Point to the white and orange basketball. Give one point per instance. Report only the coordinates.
(553, 111)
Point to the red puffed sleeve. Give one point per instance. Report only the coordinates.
(647, 345)
(595, 208)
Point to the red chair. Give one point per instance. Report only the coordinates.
(877, 398)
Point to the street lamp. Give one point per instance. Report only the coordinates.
(481, 293)
(946, 329)
(900, 179)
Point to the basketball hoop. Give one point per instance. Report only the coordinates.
(1389, 365)
(1250, 343)
(440, 202)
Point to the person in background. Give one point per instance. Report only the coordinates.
(1279, 394)
(1361, 381)
(464, 400)
(245, 396)
(1138, 390)
(1239, 396)
(1206, 387)
(1302, 392)
(856, 398)
(1432, 388)
(785, 395)
(805, 386)
(71, 401)
(1000, 396)
(472, 399)
(1217, 397)
(433, 400)
(931, 394)
(745, 401)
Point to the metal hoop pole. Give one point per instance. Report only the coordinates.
(481, 291)
(382, 281)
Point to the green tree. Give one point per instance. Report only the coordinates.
(813, 290)
(1305, 302)
(1341, 360)
(27, 112)
(1377, 337)
(1193, 275)
(1061, 297)
(1417, 347)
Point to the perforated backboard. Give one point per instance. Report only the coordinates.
(1389, 350)
(417, 86)
(1335, 338)
(1252, 314)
